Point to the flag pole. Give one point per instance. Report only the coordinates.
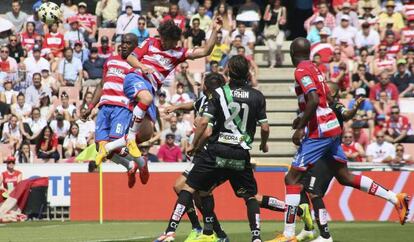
(100, 195)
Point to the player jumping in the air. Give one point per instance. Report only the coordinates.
(318, 134)
(115, 109)
(234, 110)
(152, 62)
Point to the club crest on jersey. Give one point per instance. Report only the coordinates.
(306, 81)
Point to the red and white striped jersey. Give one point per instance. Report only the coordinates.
(393, 49)
(325, 50)
(409, 10)
(114, 72)
(324, 122)
(87, 20)
(408, 34)
(27, 41)
(55, 42)
(384, 63)
(163, 62)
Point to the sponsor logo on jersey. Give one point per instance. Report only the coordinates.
(306, 81)
(229, 138)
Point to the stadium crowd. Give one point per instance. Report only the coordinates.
(48, 72)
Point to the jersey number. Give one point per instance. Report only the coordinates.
(236, 107)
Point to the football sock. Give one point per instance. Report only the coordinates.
(292, 203)
(183, 201)
(207, 204)
(366, 184)
(192, 215)
(253, 214)
(303, 199)
(321, 217)
(272, 203)
(218, 229)
(116, 144)
(139, 113)
(121, 161)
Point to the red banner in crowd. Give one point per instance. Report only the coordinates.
(155, 200)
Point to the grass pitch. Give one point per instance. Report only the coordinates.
(148, 231)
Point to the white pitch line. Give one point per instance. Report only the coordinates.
(123, 239)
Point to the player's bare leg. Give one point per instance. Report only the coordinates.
(366, 184)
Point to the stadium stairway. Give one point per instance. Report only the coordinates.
(278, 87)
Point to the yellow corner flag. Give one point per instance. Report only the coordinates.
(88, 154)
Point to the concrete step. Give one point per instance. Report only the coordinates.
(276, 74)
(277, 133)
(278, 105)
(262, 59)
(264, 48)
(277, 90)
(281, 118)
(276, 149)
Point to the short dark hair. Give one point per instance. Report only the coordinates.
(395, 107)
(361, 65)
(213, 63)
(142, 18)
(20, 95)
(37, 74)
(213, 81)
(241, 47)
(238, 69)
(170, 29)
(67, 48)
(196, 19)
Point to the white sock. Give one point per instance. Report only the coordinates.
(373, 188)
(139, 115)
(116, 144)
(292, 203)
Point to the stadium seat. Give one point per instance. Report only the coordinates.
(109, 32)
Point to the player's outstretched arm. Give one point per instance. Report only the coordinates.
(208, 48)
(181, 107)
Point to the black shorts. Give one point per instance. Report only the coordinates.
(317, 179)
(205, 175)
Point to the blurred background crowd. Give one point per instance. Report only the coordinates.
(48, 72)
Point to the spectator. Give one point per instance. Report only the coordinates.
(50, 82)
(352, 150)
(24, 154)
(407, 34)
(183, 124)
(27, 38)
(92, 68)
(80, 53)
(7, 63)
(379, 124)
(205, 21)
(34, 64)
(174, 14)
(145, 150)
(338, 5)
(195, 37)
(180, 96)
(394, 48)
(15, 49)
(208, 5)
(21, 109)
(69, 9)
(313, 34)
(185, 78)
(383, 106)
(11, 177)
(87, 101)
(135, 4)
(365, 110)
(247, 36)
(389, 29)
(126, 22)
(180, 136)
(107, 12)
(75, 34)
(34, 91)
(398, 128)
(46, 109)
(275, 20)
(4, 114)
(169, 151)
(55, 41)
(338, 70)
(251, 8)
(47, 146)
(380, 150)
(226, 14)
(360, 135)
(367, 15)
(321, 66)
(346, 10)
(323, 11)
(44, 52)
(86, 126)
(401, 157)
(324, 49)
(362, 79)
(344, 31)
(188, 7)
(237, 42)
(384, 85)
(74, 143)
(87, 22)
(383, 62)
(30, 128)
(16, 16)
(220, 51)
(69, 69)
(60, 127)
(391, 15)
(11, 133)
(105, 50)
(364, 59)
(67, 110)
(254, 69)
(141, 32)
(347, 50)
(403, 79)
(367, 38)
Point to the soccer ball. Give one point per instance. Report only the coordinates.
(49, 13)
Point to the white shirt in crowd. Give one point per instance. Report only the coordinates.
(247, 37)
(80, 140)
(380, 152)
(71, 109)
(348, 33)
(15, 133)
(373, 39)
(21, 111)
(33, 66)
(60, 131)
(185, 125)
(136, 5)
(126, 24)
(36, 126)
(180, 98)
(86, 128)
